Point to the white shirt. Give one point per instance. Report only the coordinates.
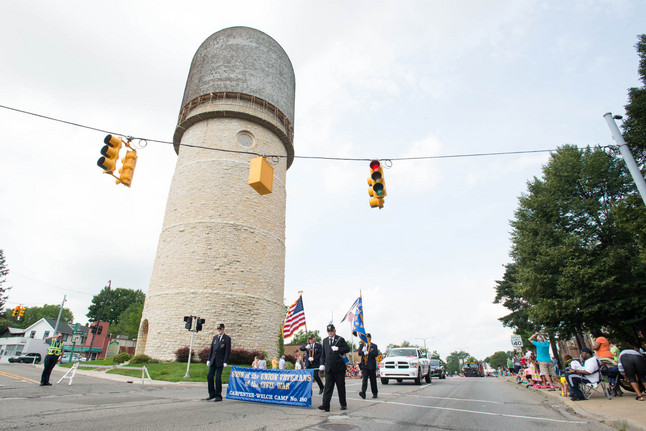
(281, 364)
(592, 367)
(297, 366)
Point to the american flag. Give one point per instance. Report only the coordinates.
(295, 318)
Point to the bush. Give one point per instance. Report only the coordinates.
(242, 356)
(204, 354)
(181, 354)
(291, 358)
(121, 358)
(141, 359)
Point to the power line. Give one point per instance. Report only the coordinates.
(348, 159)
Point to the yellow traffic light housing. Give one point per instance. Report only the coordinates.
(127, 170)
(22, 312)
(377, 189)
(261, 175)
(110, 153)
(16, 311)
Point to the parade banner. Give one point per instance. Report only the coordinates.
(288, 387)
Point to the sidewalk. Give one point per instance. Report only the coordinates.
(622, 412)
(102, 374)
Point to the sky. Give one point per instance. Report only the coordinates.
(374, 79)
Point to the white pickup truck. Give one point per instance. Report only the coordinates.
(405, 363)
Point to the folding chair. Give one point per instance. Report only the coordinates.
(590, 388)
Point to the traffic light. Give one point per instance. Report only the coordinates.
(110, 153)
(93, 329)
(377, 189)
(189, 322)
(261, 175)
(22, 312)
(127, 170)
(99, 329)
(198, 324)
(16, 311)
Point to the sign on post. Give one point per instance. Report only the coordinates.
(516, 341)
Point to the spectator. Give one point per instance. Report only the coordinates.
(262, 363)
(601, 345)
(588, 373)
(632, 365)
(254, 364)
(544, 360)
(281, 363)
(510, 365)
(517, 364)
(274, 362)
(299, 363)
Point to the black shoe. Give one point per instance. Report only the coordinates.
(327, 409)
(45, 384)
(362, 395)
(207, 399)
(216, 399)
(344, 407)
(320, 391)
(374, 396)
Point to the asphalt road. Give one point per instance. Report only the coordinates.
(97, 403)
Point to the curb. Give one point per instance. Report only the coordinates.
(578, 408)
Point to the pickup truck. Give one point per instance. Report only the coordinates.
(405, 363)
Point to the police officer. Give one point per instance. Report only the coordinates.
(52, 357)
(368, 365)
(218, 357)
(334, 347)
(313, 352)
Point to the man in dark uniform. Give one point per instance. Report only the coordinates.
(218, 357)
(334, 347)
(52, 357)
(313, 352)
(368, 365)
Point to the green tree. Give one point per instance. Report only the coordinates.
(118, 301)
(4, 270)
(129, 321)
(50, 311)
(454, 361)
(634, 126)
(435, 355)
(575, 266)
(498, 359)
(301, 338)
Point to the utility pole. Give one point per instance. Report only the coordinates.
(627, 155)
(425, 349)
(59, 316)
(96, 325)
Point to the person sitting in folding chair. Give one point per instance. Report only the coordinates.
(588, 373)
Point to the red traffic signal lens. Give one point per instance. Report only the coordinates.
(375, 165)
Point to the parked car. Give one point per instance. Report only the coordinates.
(437, 369)
(75, 358)
(28, 358)
(405, 363)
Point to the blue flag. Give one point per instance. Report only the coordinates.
(358, 328)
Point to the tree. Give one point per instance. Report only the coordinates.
(4, 270)
(575, 265)
(435, 355)
(129, 321)
(454, 361)
(50, 311)
(498, 359)
(635, 121)
(118, 301)
(301, 338)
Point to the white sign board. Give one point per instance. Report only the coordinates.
(76, 339)
(516, 341)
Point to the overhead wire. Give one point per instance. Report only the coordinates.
(348, 159)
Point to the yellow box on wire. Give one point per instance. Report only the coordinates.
(261, 175)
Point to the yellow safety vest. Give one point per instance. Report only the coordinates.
(55, 348)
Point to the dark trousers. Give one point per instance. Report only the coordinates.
(574, 380)
(50, 363)
(215, 390)
(372, 375)
(317, 378)
(332, 378)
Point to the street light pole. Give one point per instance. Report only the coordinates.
(427, 338)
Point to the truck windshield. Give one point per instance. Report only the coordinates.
(402, 352)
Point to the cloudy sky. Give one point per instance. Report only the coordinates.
(373, 79)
